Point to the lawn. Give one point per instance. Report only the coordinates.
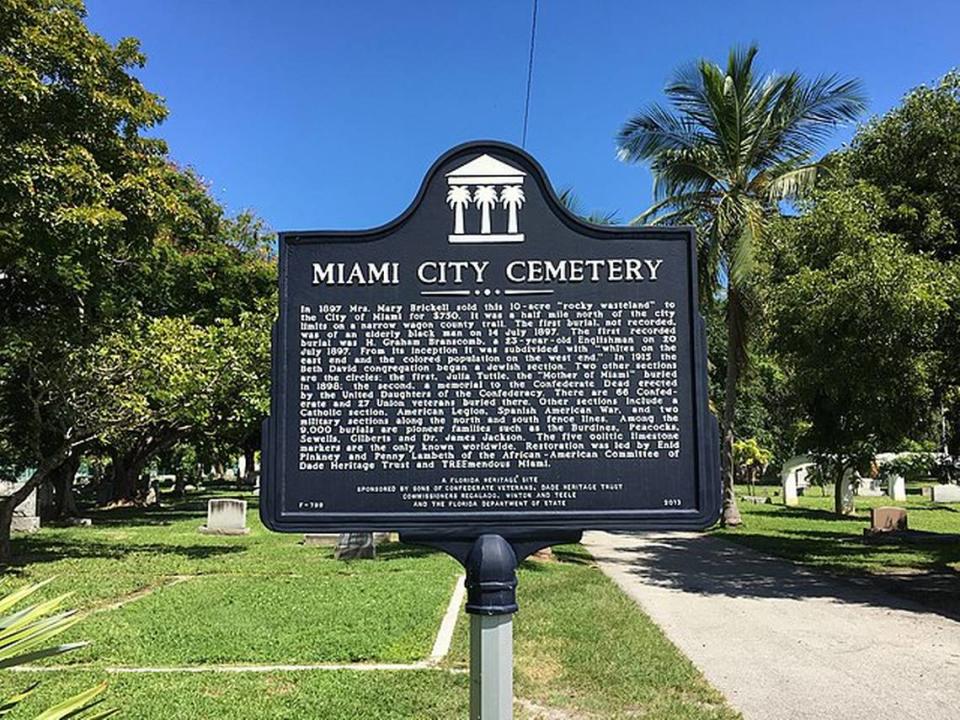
(813, 534)
(157, 594)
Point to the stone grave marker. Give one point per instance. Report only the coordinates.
(355, 546)
(226, 516)
(887, 519)
(897, 488)
(25, 515)
(789, 481)
(945, 493)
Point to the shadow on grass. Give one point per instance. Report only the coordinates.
(43, 549)
(192, 506)
(402, 551)
(700, 565)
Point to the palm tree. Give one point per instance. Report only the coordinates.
(485, 197)
(512, 198)
(731, 148)
(458, 197)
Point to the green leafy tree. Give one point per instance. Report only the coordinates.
(734, 145)
(82, 195)
(856, 315)
(751, 459)
(203, 383)
(911, 155)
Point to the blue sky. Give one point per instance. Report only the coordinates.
(323, 115)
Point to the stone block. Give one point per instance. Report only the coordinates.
(945, 493)
(886, 519)
(317, 539)
(790, 490)
(25, 516)
(25, 523)
(226, 516)
(897, 488)
(355, 546)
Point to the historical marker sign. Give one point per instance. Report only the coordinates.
(489, 362)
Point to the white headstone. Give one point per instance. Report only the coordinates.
(850, 478)
(896, 488)
(789, 484)
(226, 516)
(945, 493)
(868, 487)
(800, 467)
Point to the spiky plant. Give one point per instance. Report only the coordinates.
(24, 638)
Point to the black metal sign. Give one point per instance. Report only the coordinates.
(488, 361)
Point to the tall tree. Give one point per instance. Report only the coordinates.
(81, 199)
(856, 317)
(729, 150)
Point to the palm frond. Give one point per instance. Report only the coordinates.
(794, 184)
(655, 130)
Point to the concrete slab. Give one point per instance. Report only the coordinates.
(785, 643)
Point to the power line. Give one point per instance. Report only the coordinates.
(526, 102)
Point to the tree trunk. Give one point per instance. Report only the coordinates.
(127, 466)
(9, 503)
(731, 513)
(6, 520)
(125, 472)
(65, 505)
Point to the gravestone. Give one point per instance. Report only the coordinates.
(887, 519)
(847, 483)
(25, 515)
(799, 467)
(868, 487)
(226, 516)
(897, 488)
(789, 483)
(945, 493)
(355, 546)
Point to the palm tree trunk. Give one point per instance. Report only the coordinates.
(512, 219)
(731, 513)
(458, 219)
(485, 219)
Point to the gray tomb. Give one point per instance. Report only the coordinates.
(25, 515)
(945, 493)
(226, 516)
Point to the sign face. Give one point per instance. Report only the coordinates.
(489, 362)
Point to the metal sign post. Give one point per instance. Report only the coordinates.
(490, 561)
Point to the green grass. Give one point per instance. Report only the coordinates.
(159, 594)
(811, 533)
(582, 646)
(272, 696)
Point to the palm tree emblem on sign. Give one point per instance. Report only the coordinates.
(458, 197)
(485, 198)
(512, 198)
(488, 184)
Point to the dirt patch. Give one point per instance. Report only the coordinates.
(116, 604)
(536, 711)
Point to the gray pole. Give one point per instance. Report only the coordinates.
(491, 667)
(490, 561)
